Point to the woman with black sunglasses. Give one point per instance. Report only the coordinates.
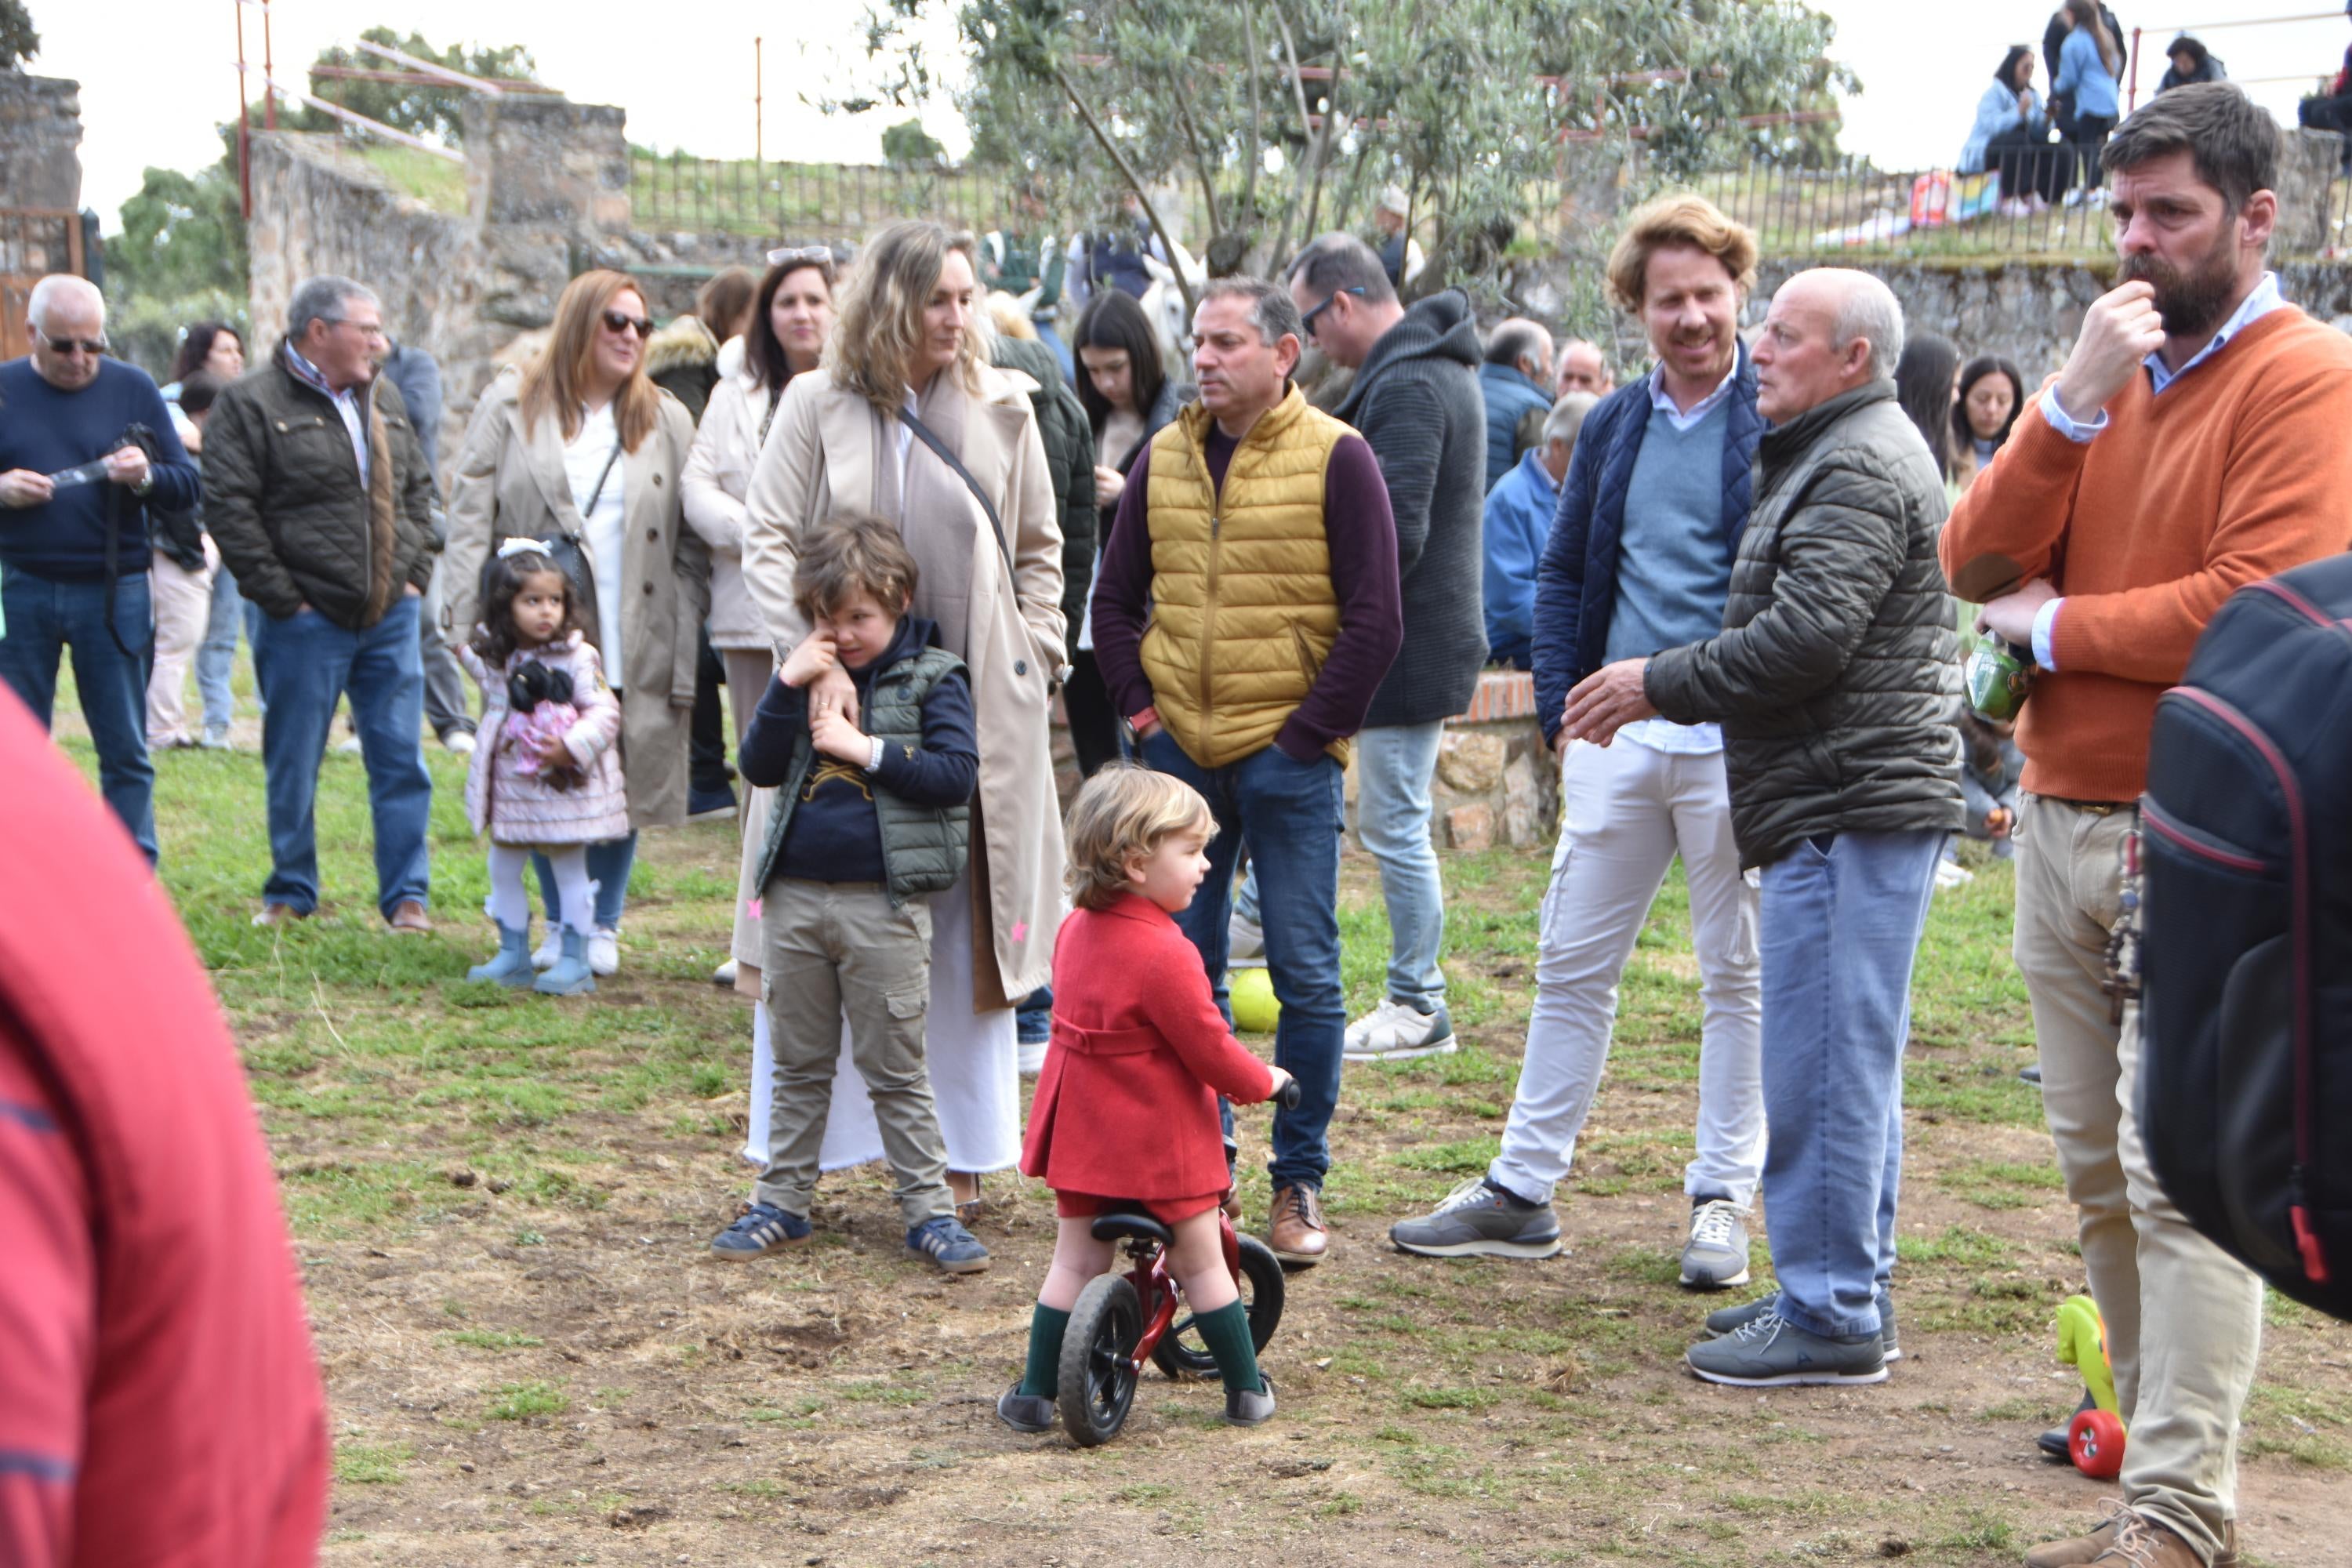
(582, 450)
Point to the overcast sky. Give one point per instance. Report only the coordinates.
(157, 74)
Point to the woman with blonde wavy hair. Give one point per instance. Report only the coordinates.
(906, 420)
(582, 451)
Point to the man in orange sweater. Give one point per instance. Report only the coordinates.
(2194, 443)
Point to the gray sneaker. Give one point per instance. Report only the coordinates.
(1476, 1221)
(1716, 1257)
(1769, 1351)
(1730, 1320)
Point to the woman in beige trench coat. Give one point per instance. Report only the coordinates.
(536, 465)
(906, 336)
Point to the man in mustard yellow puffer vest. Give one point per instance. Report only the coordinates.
(1246, 610)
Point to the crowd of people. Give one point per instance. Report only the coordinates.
(894, 530)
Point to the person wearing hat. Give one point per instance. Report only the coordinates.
(1399, 253)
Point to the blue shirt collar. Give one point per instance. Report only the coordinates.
(1660, 398)
(2265, 299)
(309, 374)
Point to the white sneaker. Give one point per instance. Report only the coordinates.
(1033, 1058)
(1393, 1032)
(724, 974)
(460, 741)
(349, 746)
(1952, 874)
(1244, 944)
(604, 950)
(550, 951)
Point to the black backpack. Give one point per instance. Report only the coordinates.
(2245, 1077)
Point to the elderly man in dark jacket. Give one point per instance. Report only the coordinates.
(318, 496)
(1836, 680)
(1415, 399)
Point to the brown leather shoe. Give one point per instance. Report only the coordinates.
(407, 919)
(2141, 1543)
(1231, 1203)
(1295, 1230)
(279, 915)
(2078, 1551)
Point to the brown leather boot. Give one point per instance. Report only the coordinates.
(2141, 1543)
(1295, 1229)
(2081, 1549)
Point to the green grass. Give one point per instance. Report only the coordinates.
(522, 1401)
(437, 182)
(369, 1464)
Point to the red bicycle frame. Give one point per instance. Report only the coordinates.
(1157, 1292)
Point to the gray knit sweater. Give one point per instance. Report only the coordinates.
(1417, 403)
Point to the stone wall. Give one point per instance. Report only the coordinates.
(40, 141)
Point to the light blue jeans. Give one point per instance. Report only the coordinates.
(216, 654)
(1394, 765)
(1840, 917)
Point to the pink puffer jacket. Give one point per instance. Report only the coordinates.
(512, 807)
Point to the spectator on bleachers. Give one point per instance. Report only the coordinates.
(1519, 510)
(1990, 393)
(2012, 135)
(2332, 110)
(2090, 60)
(2190, 61)
(1517, 369)
(2054, 44)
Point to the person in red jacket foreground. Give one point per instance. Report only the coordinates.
(160, 1405)
(1126, 1113)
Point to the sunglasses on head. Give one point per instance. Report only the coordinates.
(93, 347)
(1307, 321)
(820, 254)
(622, 321)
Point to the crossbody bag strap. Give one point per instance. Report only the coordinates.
(929, 437)
(602, 475)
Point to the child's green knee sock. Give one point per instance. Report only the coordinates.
(1227, 1332)
(1041, 1376)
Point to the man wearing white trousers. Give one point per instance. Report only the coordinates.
(1639, 560)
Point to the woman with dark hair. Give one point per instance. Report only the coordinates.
(790, 313)
(2188, 62)
(1128, 397)
(1924, 379)
(2013, 135)
(212, 349)
(1991, 394)
(906, 419)
(583, 447)
(2090, 60)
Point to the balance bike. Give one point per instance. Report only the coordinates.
(2094, 1437)
(1122, 1318)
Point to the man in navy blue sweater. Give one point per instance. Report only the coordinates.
(1639, 556)
(75, 489)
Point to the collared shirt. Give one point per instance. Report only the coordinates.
(2266, 297)
(1675, 414)
(346, 402)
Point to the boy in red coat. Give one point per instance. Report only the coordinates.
(1126, 1113)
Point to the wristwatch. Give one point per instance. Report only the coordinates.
(146, 483)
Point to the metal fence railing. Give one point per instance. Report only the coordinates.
(1854, 207)
(804, 201)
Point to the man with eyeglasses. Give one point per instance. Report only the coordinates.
(75, 483)
(320, 498)
(1415, 397)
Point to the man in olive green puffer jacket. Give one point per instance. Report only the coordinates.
(318, 496)
(1836, 680)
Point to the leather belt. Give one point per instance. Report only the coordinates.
(2091, 807)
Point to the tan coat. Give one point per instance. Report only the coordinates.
(717, 471)
(821, 458)
(508, 484)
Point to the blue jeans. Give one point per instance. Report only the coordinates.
(216, 654)
(44, 617)
(609, 864)
(1840, 924)
(1394, 764)
(303, 666)
(1289, 813)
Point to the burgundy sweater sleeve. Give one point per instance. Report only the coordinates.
(1360, 535)
(1121, 594)
(49, 1317)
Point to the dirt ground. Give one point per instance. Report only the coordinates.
(550, 1368)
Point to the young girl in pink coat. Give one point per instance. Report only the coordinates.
(547, 774)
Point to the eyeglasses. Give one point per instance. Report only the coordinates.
(365, 329)
(622, 321)
(821, 255)
(1307, 321)
(93, 347)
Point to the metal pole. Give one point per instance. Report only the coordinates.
(268, 74)
(244, 120)
(2132, 101)
(759, 121)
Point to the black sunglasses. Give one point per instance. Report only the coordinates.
(1307, 321)
(93, 347)
(622, 321)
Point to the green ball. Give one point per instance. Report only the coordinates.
(1254, 1008)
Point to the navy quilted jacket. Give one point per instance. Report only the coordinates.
(1576, 583)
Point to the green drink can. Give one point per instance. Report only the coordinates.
(2000, 676)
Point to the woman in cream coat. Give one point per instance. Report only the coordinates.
(539, 443)
(907, 337)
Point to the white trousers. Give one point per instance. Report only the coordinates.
(974, 1059)
(1626, 811)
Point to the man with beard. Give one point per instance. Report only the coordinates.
(2194, 443)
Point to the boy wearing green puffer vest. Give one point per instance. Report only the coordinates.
(865, 822)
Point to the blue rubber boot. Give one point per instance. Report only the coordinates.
(511, 967)
(571, 976)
